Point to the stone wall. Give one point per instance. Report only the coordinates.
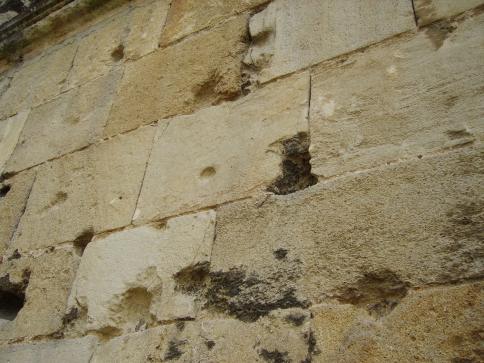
(243, 181)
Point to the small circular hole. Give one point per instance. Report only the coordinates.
(208, 172)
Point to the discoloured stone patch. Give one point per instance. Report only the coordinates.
(428, 11)
(10, 130)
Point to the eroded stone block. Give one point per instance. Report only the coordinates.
(289, 35)
(131, 278)
(154, 87)
(10, 130)
(85, 192)
(404, 98)
(428, 11)
(44, 281)
(222, 153)
(72, 121)
(363, 239)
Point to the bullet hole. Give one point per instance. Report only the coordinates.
(210, 344)
(4, 190)
(208, 172)
(280, 253)
(12, 296)
(118, 53)
(297, 319)
(83, 240)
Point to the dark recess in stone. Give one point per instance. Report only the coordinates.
(12, 296)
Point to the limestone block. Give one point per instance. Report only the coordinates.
(128, 278)
(99, 51)
(154, 87)
(407, 97)
(276, 338)
(362, 239)
(45, 281)
(60, 351)
(14, 193)
(290, 35)
(434, 325)
(189, 16)
(224, 152)
(10, 130)
(70, 122)
(146, 24)
(428, 11)
(85, 192)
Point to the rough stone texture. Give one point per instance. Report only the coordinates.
(85, 192)
(410, 96)
(70, 350)
(362, 239)
(222, 153)
(46, 281)
(427, 11)
(73, 120)
(281, 43)
(38, 80)
(10, 130)
(272, 339)
(189, 16)
(14, 193)
(211, 72)
(434, 325)
(127, 279)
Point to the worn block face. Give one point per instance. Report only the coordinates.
(410, 225)
(128, 279)
(211, 72)
(14, 193)
(218, 340)
(428, 11)
(86, 192)
(222, 153)
(189, 16)
(283, 43)
(10, 130)
(24, 276)
(69, 350)
(72, 121)
(404, 98)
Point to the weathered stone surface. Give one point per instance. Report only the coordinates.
(146, 24)
(224, 152)
(283, 42)
(70, 350)
(428, 11)
(10, 130)
(275, 338)
(72, 121)
(14, 193)
(128, 278)
(45, 281)
(154, 87)
(189, 16)
(362, 239)
(406, 97)
(85, 192)
(434, 325)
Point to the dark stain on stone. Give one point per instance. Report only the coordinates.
(210, 344)
(15, 255)
(83, 239)
(295, 165)
(296, 319)
(457, 134)
(4, 189)
(439, 32)
(280, 253)
(274, 356)
(466, 222)
(180, 325)
(174, 351)
(312, 346)
(192, 279)
(70, 316)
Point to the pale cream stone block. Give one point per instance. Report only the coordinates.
(10, 130)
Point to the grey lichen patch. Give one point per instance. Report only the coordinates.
(192, 279)
(295, 165)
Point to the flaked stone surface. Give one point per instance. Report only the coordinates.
(85, 192)
(14, 193)
(127, 279)
(434, 325)
(45, 281)
(189, 16)
(69, 122)
(69, 350)
(427, 11)
(154, 86)
(275, 338)
(403, 98)
(224, 152)
(363, 239)
(10, 130)
(283, 43)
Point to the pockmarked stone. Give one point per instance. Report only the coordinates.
(10, 130)
(86, 192)
(287, 36)
(224, 152)
(428, 11)
(403, 98)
